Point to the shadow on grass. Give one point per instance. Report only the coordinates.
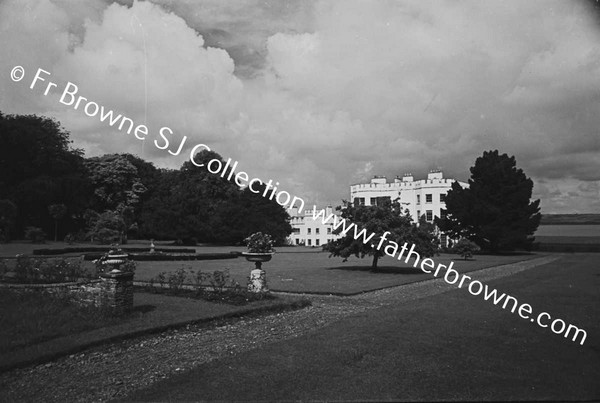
(382, 269)
(143, 308)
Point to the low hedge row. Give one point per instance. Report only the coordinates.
(169, 257)
(566, 247)
(104, 249)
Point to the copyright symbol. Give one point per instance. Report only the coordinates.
(17, 73)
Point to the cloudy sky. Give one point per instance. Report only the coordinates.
(319, 95)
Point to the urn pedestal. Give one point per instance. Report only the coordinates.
(257, 281)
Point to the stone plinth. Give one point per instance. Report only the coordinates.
(117, 291)
(257, 282)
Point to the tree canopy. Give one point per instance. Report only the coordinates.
(39, 168)
(495, 211)
(385, 216)
(193, 204)
(43, 181)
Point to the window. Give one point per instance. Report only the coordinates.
(295, 230)
(297, 241)
(309, 242)
(428, 198)
(443, 197)
(418, 199)
(444, 240)
(317, 242)
(379, 201)
(359, 201)
(443, 214)
(418, 214)
(317, 231)
(308, 231)
(328, 231)
(429, 215)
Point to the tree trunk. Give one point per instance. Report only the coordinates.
(374, 264)
(55, 230)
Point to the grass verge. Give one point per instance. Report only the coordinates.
(152, 313)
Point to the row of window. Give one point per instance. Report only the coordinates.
(429, 198)
(375, 201)
(309, 242)
(309, 231)
(429, 214)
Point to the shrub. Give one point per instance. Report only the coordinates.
(465, 248)
(70, 238)
(161, 278)
(107, 236)
(35, 234)
(176, 279)
(3, 267)
(36, 270)
(219, 280)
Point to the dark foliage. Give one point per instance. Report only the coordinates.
(386, 216)
(37, 169)
(495, 211)
(46, 184)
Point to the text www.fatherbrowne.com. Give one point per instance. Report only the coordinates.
(451, 276)
(70, 97)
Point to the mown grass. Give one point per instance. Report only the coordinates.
(449, 347)
(34, 317)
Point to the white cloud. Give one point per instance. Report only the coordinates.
(312, 94)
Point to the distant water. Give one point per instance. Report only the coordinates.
(568, 230)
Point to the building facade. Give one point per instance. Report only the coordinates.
(425, 197)
(308, 231)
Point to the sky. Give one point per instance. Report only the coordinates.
(319, 95)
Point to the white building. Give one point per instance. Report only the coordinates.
(309, 232)
(422, 197)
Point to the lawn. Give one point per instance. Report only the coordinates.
(35, 328)
(449, 347)
(302, 269)
(311, 271)
(31, 318)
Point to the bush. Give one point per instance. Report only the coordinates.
(176, 279)
(35, 234)
(35, 270)
(107, 236)
(70, 238)
(219, 280)
(103, 249)
(465, 248)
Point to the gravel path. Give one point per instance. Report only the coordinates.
(115, 370)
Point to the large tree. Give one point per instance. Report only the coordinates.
(194, 204)
(39, 168)
(385, 216)
(495, 211)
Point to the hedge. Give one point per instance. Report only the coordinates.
(170, 257)
(84, 249)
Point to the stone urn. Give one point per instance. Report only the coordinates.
(257, 282)
(113, 261)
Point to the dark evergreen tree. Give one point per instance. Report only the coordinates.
(495, 211)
